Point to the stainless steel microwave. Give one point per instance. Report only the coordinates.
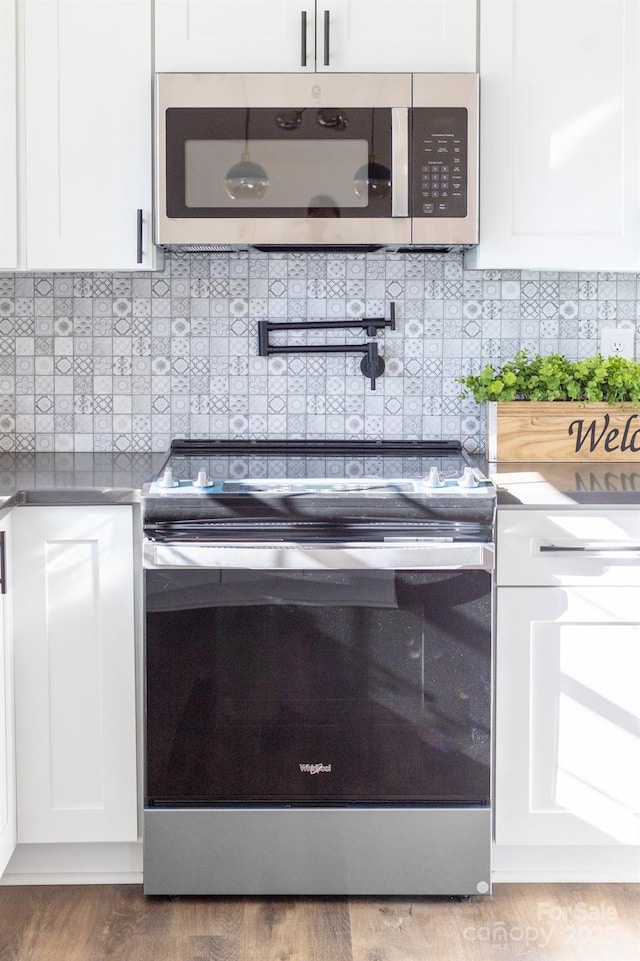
(316, 160)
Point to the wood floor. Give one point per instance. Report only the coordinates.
(520, 922)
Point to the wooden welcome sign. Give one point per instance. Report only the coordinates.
(562, 431)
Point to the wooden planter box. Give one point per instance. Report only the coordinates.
(562, 431)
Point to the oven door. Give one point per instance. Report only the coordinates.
(318, 686)
(282, 159)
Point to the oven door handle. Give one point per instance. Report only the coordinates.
(440, 555)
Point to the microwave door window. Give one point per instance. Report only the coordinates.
(297, 175)
(278, 162)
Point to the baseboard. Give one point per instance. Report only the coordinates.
(75, 864)
(122, 864)
(15, 880)
(557, 864)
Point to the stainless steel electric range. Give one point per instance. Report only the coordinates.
(318, 664)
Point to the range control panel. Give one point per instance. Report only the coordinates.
(439, 161)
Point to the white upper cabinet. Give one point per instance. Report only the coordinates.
(560, 119)
(213, 36)
(429, 36)
(9, 143)
(87, 128)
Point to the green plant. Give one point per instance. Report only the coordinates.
(606, 379)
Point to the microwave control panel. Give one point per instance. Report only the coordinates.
(439, 162)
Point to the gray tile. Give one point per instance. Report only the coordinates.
(121, 362)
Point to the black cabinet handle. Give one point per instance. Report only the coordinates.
(303, 38)
(327, 27)
(3, 565)
(139, 237)
(595, 548)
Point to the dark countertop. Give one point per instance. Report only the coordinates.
(117, 478)
(566, 484)
(75, 479)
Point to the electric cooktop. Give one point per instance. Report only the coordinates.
(211, 487)
(337, 468)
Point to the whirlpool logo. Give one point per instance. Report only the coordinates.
(315, 768)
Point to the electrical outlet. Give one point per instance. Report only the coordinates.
(618, 342)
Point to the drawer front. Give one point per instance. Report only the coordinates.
(556, 548)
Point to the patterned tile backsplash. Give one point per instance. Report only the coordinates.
(124, 362)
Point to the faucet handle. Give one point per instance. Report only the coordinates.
(372, 364)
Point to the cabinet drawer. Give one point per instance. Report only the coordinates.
(568, 547)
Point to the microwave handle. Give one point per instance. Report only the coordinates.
(400, 161)
(327, 38)
(303, 38)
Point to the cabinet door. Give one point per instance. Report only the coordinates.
(8, 126)
(88, 142)
(325, 35)
(7, 751)
(560, 108)
(408, 35)
(214, 36)
(568, 716)
(75, 674)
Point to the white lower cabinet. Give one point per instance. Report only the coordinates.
(7, 752)
(74, 674)
(568, 716)
(567, 765)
